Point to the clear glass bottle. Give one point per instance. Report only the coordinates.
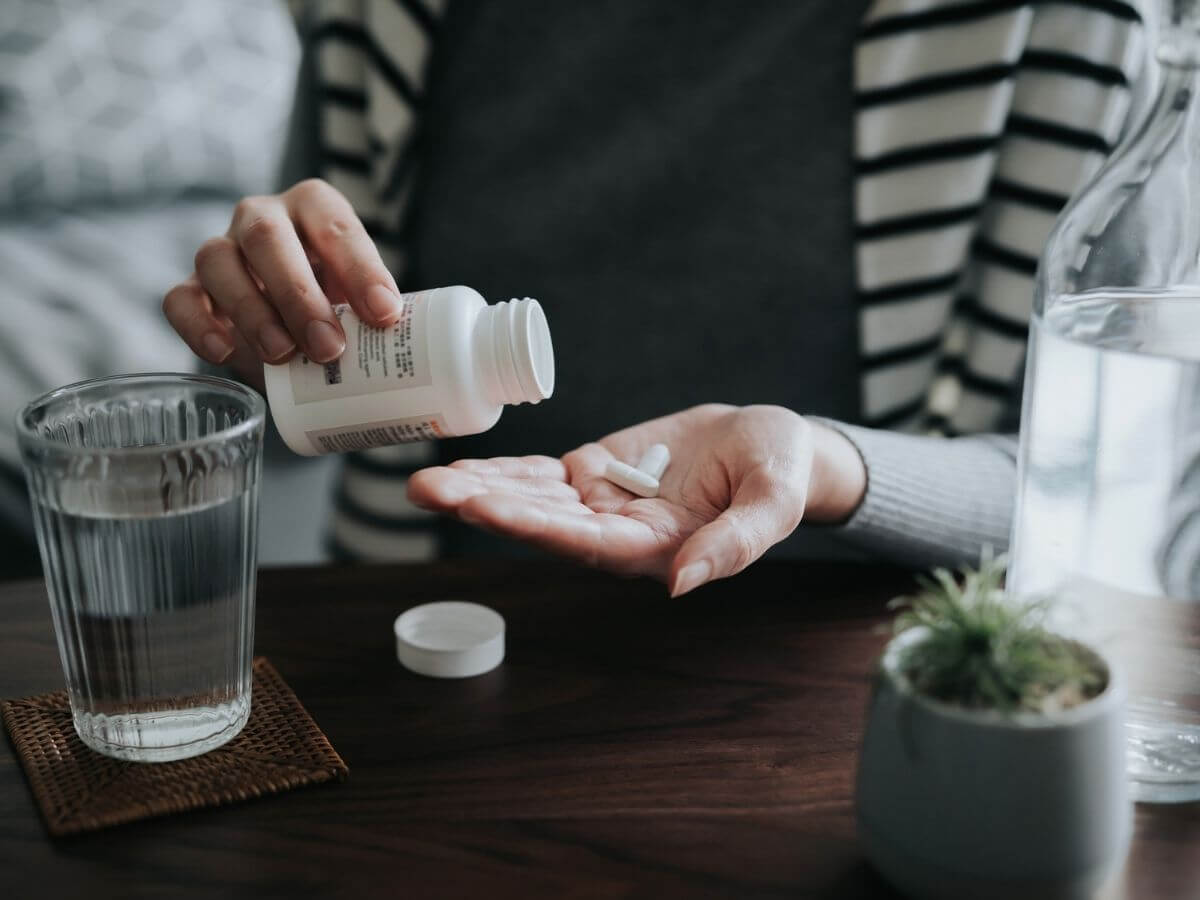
(1108, 504)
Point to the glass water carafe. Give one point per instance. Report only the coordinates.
(1108, 506)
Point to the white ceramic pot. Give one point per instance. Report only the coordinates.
(958, 803)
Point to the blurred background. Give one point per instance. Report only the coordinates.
(128, 129)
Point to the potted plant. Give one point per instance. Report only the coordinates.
(993, 763)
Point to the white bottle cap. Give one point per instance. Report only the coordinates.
(450, 639)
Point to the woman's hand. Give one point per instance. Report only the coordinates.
(268, 285)
(740, 480)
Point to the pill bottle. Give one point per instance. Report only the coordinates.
(446, 368)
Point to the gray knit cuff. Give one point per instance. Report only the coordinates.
(930, 500)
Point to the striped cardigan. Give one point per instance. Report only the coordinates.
(975, 122)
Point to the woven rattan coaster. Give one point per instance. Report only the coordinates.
(77, 789)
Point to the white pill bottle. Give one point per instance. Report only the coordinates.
(446, 368)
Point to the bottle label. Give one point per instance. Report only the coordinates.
(379, 434)
(376, 359)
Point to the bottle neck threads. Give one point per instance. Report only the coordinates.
(512, 347)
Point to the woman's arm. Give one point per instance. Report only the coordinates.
(740, 480)
(932, 501)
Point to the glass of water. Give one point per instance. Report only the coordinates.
(145, 498)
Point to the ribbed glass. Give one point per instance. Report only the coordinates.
(145, 500)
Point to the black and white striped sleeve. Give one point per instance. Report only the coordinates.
(976, 121)
(370, 59)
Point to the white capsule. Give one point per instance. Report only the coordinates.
(633, 480)
(655, 461)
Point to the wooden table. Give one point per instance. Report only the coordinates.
(630, 746)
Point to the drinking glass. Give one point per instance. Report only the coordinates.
(145, 500)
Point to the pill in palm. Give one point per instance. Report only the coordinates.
(633, 480)
(655, 461)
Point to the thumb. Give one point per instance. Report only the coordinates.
(766, 508)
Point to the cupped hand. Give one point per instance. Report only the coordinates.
(740, 480)
(267, 287)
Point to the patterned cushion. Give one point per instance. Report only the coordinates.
(115, 100)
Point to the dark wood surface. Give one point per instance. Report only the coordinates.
(630, 746)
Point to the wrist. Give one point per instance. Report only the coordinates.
(839, 477)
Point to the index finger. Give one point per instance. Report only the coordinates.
(332, 229)
(268, 240)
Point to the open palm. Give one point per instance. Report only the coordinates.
(737, 483)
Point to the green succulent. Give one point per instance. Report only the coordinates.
(984, 650)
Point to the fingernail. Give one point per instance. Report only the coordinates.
(273, 341)
(324, 342)
(691, 577)
(383, 302)
(216, 348)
